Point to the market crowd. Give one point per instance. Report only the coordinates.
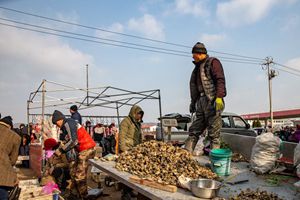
(66, 157)
(289, 134)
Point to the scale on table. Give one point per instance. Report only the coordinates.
(169, 123)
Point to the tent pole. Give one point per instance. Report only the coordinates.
(28, 128)
(43, 106)
(160, 117)
(87, 84)
(118, 114)
(43, 120)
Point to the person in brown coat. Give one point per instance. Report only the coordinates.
(9, 149)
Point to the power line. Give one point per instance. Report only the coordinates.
(287, 71)
(241, 60)
(89, 36)
(290, 68)
(88, 40)
(230, 54)
(169, 51)
(270, 61)
(224, 59)
(111, 44)
(123, 34)
(91, 27)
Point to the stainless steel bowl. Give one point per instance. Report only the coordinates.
(205, 188)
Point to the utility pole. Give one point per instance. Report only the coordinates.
(271, 74)
(87, 84)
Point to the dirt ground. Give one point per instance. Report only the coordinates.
(25, 174)
(109, 193)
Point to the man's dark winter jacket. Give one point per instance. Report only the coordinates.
(217, 74)
(77, 117)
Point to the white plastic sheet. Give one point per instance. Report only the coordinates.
(297, 159)
(198, 151)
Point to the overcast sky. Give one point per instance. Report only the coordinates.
(256, 28)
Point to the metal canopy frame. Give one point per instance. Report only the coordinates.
(105, 97)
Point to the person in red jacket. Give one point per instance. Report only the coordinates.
(78, 147)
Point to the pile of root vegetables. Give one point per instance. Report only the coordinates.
(162, 163)
(255, 195)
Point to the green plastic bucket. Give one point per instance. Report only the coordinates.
(220, 161)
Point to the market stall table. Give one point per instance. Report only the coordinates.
(152, 193)
(239, 171)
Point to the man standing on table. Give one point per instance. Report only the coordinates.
(79, 148)
(207, 89)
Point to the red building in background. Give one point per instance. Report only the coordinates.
(277, 115)
(283, 114)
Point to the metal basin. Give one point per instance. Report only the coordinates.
(205, 188)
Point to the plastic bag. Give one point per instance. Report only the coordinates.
(297, 155)
(297, 159)
(198, 151)
(109, 157)
(265, 152)
(297, 185)
(298, 170)
(184, 182)
(50, 187)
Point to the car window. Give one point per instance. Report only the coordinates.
(181, 126)
(238, 122)
(225, 122)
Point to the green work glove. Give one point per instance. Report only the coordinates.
(219, 104)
